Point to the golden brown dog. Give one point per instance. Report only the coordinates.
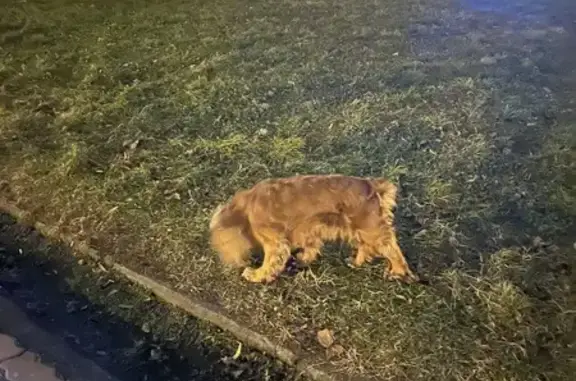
(303, 212)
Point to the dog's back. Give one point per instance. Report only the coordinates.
(295, 199)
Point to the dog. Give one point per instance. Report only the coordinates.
(303, 212)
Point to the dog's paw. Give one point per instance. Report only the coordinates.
(248, 274)
(351, 262)
(255, 276)
(404, 277)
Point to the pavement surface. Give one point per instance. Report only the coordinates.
(17, 363)
(22, 343)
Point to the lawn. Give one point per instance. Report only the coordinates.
(124, 123)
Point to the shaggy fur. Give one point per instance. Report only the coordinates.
(303, 212)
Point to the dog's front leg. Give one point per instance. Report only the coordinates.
(398, 268)
(363, 255)
(276, 255)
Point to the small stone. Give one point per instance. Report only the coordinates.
(237, 373)
(325, 337)
(538, 242)
(155, 355)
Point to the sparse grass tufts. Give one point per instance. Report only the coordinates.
(125, 123)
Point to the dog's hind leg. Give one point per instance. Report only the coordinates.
(276, 255)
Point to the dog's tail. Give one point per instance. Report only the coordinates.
(230, 235)
(387, 193)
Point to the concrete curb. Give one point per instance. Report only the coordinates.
(195, 308)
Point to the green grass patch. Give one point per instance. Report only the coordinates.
(125, 123)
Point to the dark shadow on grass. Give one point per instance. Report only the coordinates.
(131, 336)
(533, 110)
(514, 197)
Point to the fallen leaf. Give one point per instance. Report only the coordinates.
(238, 351)
(325, 337)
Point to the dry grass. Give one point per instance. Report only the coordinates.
(126, 122)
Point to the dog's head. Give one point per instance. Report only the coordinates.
(230, 235)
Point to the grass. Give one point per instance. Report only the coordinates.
(125, 123)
